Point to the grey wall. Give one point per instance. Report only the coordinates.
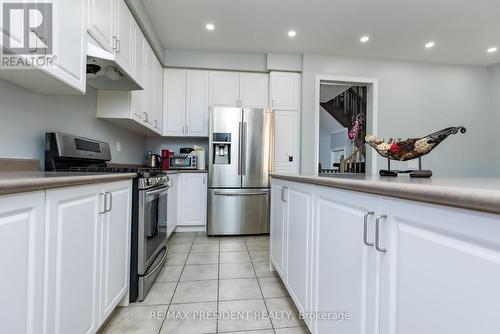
(26, 116)
(415, 99)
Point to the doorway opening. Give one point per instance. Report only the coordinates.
(345, 114)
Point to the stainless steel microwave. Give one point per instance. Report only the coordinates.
(184, 161)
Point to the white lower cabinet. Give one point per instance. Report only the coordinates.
(115, 247)
(173, 200)
(192, 199)
(72, 260)
(385, 265)
(345, 267)
(441, 270)
(67, 254)
(279, 212)
(21, 259)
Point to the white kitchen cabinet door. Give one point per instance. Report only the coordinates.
(441, 264)
(115, 246)
(71, 283)
(286, 149)
(138, 97)
(124, 27)
(22, 222)
(225, 89)
(101, 24)
(298, 243)
(279, 210)
(345, 267)
(174, 118)
(157, 95)
(173, 201)
(197, 112)
(193, 199)
(285, 91)
(254, 90)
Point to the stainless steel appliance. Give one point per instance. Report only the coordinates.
(184, 161)
(65, 152)
(153, 160)
(240, 161)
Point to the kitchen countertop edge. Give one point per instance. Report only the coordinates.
(19, 183)
(485, 200)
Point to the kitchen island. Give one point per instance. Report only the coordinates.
(391, 255)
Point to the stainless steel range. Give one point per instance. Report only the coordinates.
(149, 202)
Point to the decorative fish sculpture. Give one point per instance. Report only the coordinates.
(411, 148)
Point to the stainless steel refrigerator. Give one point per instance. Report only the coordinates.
(240, 152)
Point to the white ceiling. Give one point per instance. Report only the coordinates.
(462, 29)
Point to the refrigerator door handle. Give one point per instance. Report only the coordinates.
(255, 193)
(240, 148)
(244, 149)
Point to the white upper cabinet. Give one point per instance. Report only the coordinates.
(225, 89)
(21, 259)
(101, 22)
(197, 112)
(174, 119)
(65, 69)
(138, 97)
(285, 90)
(254, 90)
(186, 103)
(157, 94)
(286, 156)
(125, 37)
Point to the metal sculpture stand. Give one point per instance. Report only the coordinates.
(419, 173)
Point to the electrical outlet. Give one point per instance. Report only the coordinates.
(413, 164)
(118, 147)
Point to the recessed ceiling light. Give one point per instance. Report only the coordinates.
(210, 27)
(364, 39)
(292, 33)
(429, 45)
(492, 49)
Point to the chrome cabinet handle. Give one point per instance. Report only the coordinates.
(377, 233)
(118, 45)
(110, 201)
(114, 42)
(365, 229)
(187, 129)
(103, 203)
(283, 189)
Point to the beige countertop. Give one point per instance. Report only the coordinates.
(16, 182)
(481, 194)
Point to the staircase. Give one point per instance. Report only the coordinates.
(346, 106)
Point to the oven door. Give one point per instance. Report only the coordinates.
(152, 225)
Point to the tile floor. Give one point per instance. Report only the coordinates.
(205, 276)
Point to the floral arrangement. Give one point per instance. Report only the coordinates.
(357, 126)
(411, 148)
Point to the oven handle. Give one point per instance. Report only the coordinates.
(160, 263)
(156, 192)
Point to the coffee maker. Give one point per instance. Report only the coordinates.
(165, 155)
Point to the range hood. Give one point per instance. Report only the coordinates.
(104, 73)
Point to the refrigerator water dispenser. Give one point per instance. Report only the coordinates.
(222, 148)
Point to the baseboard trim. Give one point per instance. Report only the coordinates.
(195, 228)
